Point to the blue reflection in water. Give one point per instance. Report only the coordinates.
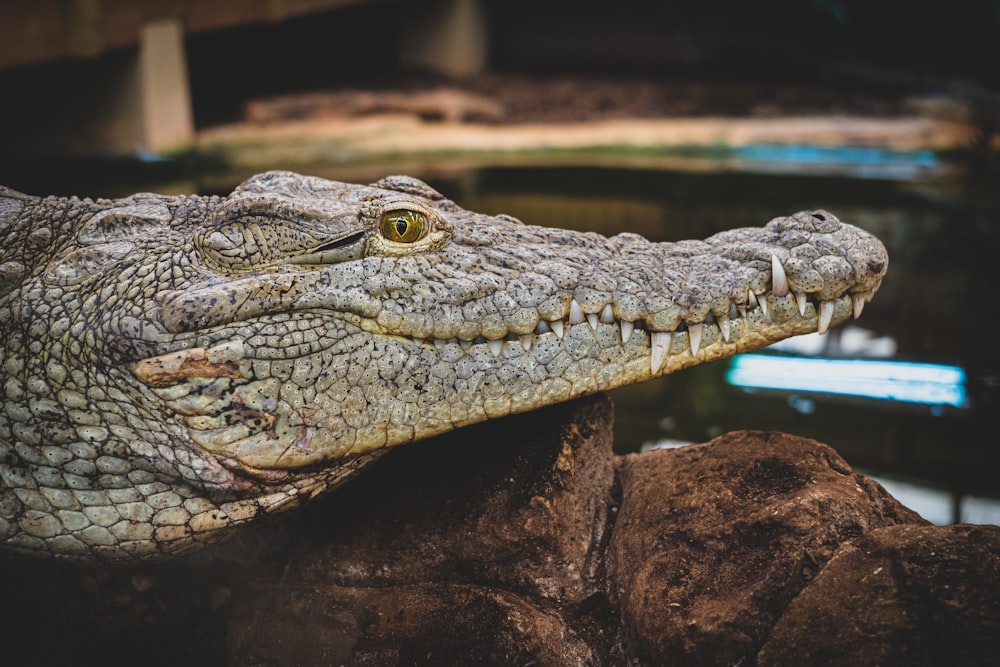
(835, 155)
(909, 382)
(854, 161)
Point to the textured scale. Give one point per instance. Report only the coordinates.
(173, 367)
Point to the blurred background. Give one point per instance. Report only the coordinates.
(674, 120)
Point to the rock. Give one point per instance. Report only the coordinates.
(902, 595)
(714, 541)
(482, 546)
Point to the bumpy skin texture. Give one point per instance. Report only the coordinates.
(173, 367)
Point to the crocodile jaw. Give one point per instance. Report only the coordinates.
(366, 389)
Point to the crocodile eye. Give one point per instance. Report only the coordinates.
(403, 226)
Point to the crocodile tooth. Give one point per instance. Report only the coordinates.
(723, 321)
(543, 327)
(496, 346)
(751, 298)
(557, 328)
(762, 302)
(626, 330)
(575, 313)
(859, 303)
(825, 315)
(607, 315)
(694, 337)
(526, 342)
(419, 341)
(592, 320)
(779, 281)
(439, 343)
(659, 350)
(800, 300)
(466, 345)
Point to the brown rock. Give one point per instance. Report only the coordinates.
(478, 547)
(714, 541)
(903, 595)
(419, 624)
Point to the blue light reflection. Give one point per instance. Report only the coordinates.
(910, 382)
(836, 155)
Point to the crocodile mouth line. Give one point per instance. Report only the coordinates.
(715, 328)
(284, 333)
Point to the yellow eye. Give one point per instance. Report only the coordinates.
(403, 226)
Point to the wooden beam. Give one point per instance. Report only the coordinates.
(168, 121)
(45, 30)
(444, 36)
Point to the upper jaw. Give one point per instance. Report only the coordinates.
(722, 291)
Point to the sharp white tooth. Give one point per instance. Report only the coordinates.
(418, 341)
(557, 328)
(825, 315)
(659, 350)
(694, 337)
(543, 327)
(762, 302)
(466, 345)
(779, 281)
(439, 343)
(575, 313)
(592, 320)
(607, 315)
(724, 327)
(526, 342)
(859, 304)
(751, 298)
(626, 330)
(800, 300)
(496, 347)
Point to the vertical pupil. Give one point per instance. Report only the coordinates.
(401, 226)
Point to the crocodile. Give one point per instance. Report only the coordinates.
(174, 367)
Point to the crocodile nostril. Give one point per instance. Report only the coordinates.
(819, 216)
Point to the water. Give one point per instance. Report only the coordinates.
(941, 228)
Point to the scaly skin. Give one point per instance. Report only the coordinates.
(173, 367)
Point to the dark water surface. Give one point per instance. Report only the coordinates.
(941, 227)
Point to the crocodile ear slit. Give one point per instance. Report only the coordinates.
(344, 249)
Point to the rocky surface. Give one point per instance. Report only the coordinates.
(525, 541)
(714, 541)
(908, 594)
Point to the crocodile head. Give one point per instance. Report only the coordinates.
(174, 366)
